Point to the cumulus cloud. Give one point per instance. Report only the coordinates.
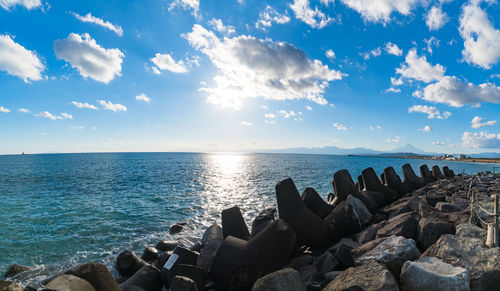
(270, 115)
(286, 114)
(51, 116)
(396, 81)
(166, 62)
(18, 61)
(219, 26)
(393, 90)
(270, 15)
(309, 108)
(89, 18)
(436, 18)
(373, 53)
(425, 129)
(28, 4)
(264, 107)
(110, 106)
(4, 110)
(339, 126)
(373, 127)
(431, 111)
(330, 54)
(454, 92)
(246, 123)
(381, 10)
(85, 105)
(142, 97)
(314, 18)
(478, 122)
(482, 139)
(393, 49)
(481, 39)
(23, 110)
(417, 68)
(248, 67)
(396, 139)
(193, 5)
(89, 58)
(432, 41)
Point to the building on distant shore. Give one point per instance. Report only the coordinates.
(461, 157)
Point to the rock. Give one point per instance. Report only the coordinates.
(412, 179)
(166, 245)
(301, 261)
(470, 253)
(179, 256)
(368, 277)
(308, 227)
(150, 254)
(469, 230)
(372, 183)
(405, 225)
(127, 263)
(236, 265)
(16, 269)
(10, 286)
(286, 279)
(265, 218)
(181, 283)
(433, 199)
(393, 181)
(447, 207)
(432, 274)
(148, 278)
(175, 228)
(194, 273)
(326, 262)
(233, 223)
(436, 172)
(426, 174)
(364, 248)
(342, 253)
(96, 274)
(363, 214)
(458, 202)
(212, 239)
(454, 218)
(403, 205)
(343, 221)
(315, 203)
(392, 252)
(430, 230)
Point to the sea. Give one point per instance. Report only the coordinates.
(59, 210)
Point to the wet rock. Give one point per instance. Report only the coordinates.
(147, 278)
(432, 274)
(426, 174)
(233, 223)
(127, 263)
(470, 253)
(315, 203)
(9, 286)
(212, 239)
(430, 230)
(469, 230)
(368, 277)
(286, 279)
(447, 207)
(411, 178)
(175, 228)
(181, 283)
(150, 254)
(308, 227)
(436, 172)
(372, 183)
(392, 252)
(265, 218)
(166, 245)
(96, 274)
(16, 269)
(405, 225)
(393, 181)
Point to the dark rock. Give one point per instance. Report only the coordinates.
(301, 261)
(175, 228)
(362, 213)
(162, 259)
(361, 250)
(342, 253)
(326, 262)
(401, 206)
(469, 230)
(181, 283)
(179, 256)
(372, 183)
(150, 254)
(447, 172)
(308, 227)
(265, 218)
(436, 172)
(16, 269)
(315, 203)
(447, 207)
(455, 218)
(361, 183)
(96, 274)
(147, 278)
(212, 239)
(393, 181)
(9, 286)
(430, 230)
(411, 178)
(196, 247)
(213, 232)
(233, 223)
(432, 199)
(426, 174)
(405, 225)
(194, 273)
(382, 178)
(344, 186)
(166, 245)
(286, 279)
(127, 263)
(343, 221)
(237, 266)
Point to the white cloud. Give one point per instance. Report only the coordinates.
(166, 62)
(270, 15)
(143, 97)
(418, 68)
(482, 139)
(49, 115)
(393, 90)
(381, 10)
(28, 4)
(85, 105)
(373, 53)
(77, 127)
(436, 18)
(397, 139)
(218, 25)
(91, 60)
(110, 106)
(314, 18)
(339, 126)
(246, 123)
(248, 67)
(89, 18)
(330, 54)
(270, 121)
(454, 92)
(393, 49)
(270, 115)
(373, 127)
(477, 122)
(438, 143)
(432, 41)
(286, 114)
(18, 61)
(186, 5)
(431, 111)
(425, 129)
(481, 39)
(264, 107)
(309, 108)
(23, 110)
(4, 110)
(396, 81)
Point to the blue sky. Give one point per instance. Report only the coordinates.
(228, 75)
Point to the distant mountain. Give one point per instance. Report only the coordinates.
(408, 148)
(484, 155)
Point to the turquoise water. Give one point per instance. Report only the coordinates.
(58, 210)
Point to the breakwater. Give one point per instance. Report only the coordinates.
(374, 234)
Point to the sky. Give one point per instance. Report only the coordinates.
(242, 75)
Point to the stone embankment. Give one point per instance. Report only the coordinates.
(422, 232)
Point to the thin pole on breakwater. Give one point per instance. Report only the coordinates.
(495, 223)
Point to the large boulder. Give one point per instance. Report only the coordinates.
(265, 218)
(405, 225)
(368, 277)
(469, 230)
(233, 223)
(96, 274)
(411, 178)
(430, 230)
(285, 279)
(432, 274)
(393, 181)
(454, 218)
(392, 252)
(372, 183)
(470, 253)
(315, 203)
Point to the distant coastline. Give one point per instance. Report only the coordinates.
(470, 160)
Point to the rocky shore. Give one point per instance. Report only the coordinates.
(422, 232)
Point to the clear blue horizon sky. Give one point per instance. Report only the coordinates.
(241, 75)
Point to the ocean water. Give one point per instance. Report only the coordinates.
(63, 209)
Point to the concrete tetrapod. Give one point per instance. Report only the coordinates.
(238, 263)
(233, 223)
(315, 203)
(448, 173)
(265, 218)
(436, 172)
(179, 256)
(393, 181)
(343, 186)
(426, 174)
(411, 178)
(372, 183)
